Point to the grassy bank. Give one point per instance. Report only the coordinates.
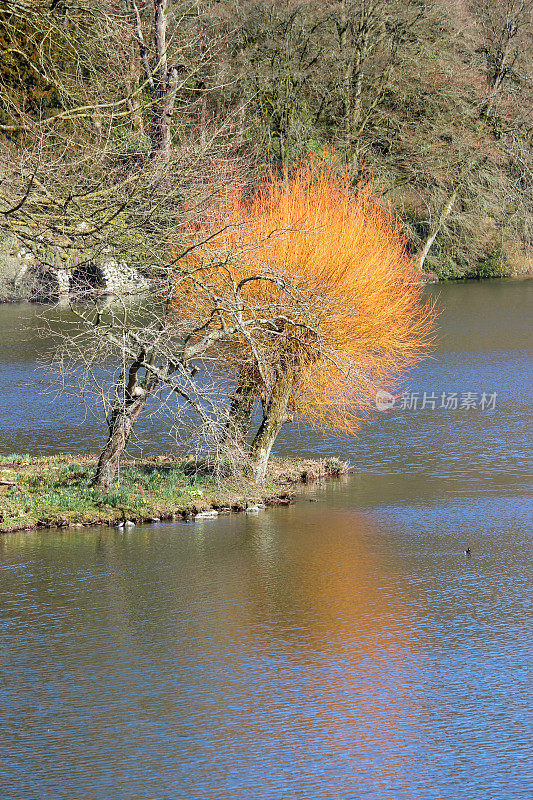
(56, 491)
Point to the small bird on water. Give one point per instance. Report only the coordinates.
(467, 551)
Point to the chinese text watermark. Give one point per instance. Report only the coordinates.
(448, 401)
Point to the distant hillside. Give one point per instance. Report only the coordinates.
(431, 101)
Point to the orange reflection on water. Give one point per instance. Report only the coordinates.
(330, 623)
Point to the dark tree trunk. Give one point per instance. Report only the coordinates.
(120, 427)
(274, 415)
(240, 414)
(131, 398)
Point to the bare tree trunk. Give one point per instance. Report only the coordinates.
(357, 86)
(160, 34)
(143, 50)
(346, 81)
(160, 128)
(275, 415)
(120, 428)
(164, 87)
(443, 216)
(126, 409)
(134, 102)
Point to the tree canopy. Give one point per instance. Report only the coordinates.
(324, 277)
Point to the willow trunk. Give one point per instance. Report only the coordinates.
(274, 415)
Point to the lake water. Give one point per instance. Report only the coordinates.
(339, 649)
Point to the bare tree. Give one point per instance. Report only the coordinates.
(506, 28)
(162, 77)
(274, 49)
(83, 177)
(187, 341)
(370, 35)
(75, 183)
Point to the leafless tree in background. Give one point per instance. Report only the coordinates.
(506, 31)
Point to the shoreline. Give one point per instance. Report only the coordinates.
(8, 298)
(55, 491)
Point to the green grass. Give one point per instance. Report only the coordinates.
(15, 458)
(57, 491)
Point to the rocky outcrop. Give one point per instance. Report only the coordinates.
(23, 276)
(49, 284)
(14, 267)
(121, 278)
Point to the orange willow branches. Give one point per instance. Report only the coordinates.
(322, 278)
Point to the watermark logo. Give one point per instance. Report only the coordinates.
(448, 401)
(384, 400)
